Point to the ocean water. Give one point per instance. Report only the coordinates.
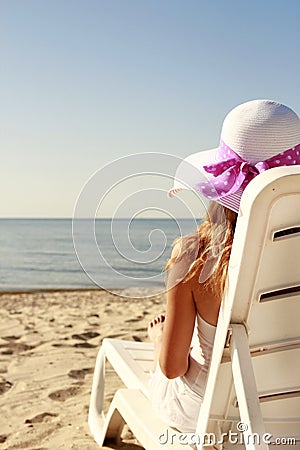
(40, 253)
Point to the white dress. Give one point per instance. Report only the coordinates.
(177, 401)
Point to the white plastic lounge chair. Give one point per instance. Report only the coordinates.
(254, 377)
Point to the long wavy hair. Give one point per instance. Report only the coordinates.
(206, 252)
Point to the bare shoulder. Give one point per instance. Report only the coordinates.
(176, 250)
(185, 281)
(177, 274)
(187, 248)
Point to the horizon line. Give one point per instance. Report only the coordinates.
(96, 218)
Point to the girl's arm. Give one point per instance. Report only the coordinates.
(178, 327)
(177, 332)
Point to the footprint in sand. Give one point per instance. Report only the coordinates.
(12, 347)
(137, 319)
(80, 373)
(40, 417)
(63, 394)
(85, 336)
(84, 345)
(93, 321)
(7, 352)
(58, 344)
(5, 385)
(11, 338)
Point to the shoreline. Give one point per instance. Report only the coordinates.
(111, 290)
(133, 293)
(51, 290)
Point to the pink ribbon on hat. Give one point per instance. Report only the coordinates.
(234, 172)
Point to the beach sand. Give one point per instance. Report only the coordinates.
(48, 346)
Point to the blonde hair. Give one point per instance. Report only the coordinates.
(208, 249)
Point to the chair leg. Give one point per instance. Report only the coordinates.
(96, 418)
(246, 390)
(114, 426)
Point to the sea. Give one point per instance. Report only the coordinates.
(45, 254)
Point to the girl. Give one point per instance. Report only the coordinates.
(256, 136)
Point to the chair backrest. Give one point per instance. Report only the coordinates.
(264, 268)
(263, 293)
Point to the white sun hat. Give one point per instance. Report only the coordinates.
(256, 136)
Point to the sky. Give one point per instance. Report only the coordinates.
(86, 82)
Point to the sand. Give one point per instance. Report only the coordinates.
(48, 346)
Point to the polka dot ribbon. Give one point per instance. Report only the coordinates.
(232, 172)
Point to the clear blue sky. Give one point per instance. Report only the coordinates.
(84, 82)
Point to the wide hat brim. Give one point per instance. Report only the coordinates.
(191, 172)
(254, 133)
